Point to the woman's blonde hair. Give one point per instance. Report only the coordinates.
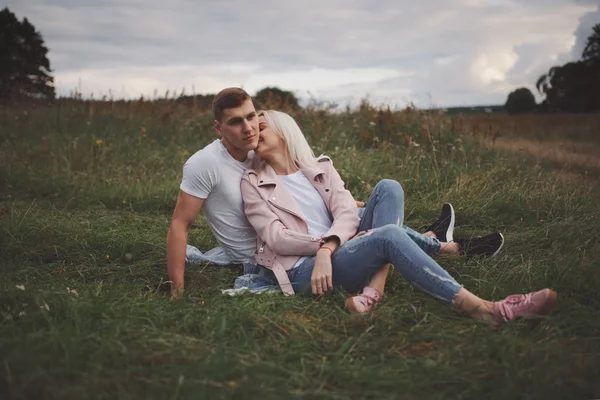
(287, 128)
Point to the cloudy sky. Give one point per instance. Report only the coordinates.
(430, 52)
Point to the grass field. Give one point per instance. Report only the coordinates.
(82, 187)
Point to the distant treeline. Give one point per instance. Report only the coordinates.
(572, 87)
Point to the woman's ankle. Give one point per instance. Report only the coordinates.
(449, 248)
(379, 279)
(474, 306)
(484, 313)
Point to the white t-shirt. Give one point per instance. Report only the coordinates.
(313, 207)
(214, 175)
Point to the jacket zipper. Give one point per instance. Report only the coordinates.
(288, 211)
(313, 239)
(262, 247)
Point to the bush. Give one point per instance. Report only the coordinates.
(520, 101)
(276, 99)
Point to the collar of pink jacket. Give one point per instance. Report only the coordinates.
(268, 176)
(279, 196)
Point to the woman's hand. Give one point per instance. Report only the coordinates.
(322, 277)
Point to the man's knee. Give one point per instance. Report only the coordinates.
(390, 186)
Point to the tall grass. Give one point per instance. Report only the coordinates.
(86, 195)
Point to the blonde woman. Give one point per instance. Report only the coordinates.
(307, 234)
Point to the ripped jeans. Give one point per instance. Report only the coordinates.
(386, 206)
(357, 260)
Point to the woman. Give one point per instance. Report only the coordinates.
(306, 224)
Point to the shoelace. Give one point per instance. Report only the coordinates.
(508, 305)
(369, 300)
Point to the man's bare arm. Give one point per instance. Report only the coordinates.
(186, 211)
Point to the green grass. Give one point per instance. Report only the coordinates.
(91, 324)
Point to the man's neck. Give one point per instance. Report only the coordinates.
(238, 154)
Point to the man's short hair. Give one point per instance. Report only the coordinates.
(228, 98)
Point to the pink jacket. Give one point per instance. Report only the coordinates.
(282, 233)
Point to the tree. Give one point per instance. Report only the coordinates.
(24, 65)
(592, 46)
(575, 86)
(572, 87)
(275, 98)
(520, 101)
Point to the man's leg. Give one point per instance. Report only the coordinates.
(386, 206)
(252, 268)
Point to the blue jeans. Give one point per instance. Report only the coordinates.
(386, 206)
(357, 260)
(389, 242)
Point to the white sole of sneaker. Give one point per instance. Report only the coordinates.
(450, 231)
(499, 248)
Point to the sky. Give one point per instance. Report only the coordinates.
(432, 53)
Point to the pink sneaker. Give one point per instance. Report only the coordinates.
(528, 305)
(364, 302)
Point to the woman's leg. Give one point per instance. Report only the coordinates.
(360, 258)
(386, 206)
(354, 263)
(367, 257)
(392, 244)
(379, 278)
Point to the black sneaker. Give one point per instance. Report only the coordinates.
(444, 226)
(486, 246)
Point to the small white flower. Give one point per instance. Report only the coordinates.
(22, 314)
(46, 306)
(20, 287)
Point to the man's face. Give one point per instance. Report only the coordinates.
(239, 129)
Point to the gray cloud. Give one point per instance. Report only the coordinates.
(584, 30)
(459, 52)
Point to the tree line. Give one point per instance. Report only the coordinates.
(572, 87)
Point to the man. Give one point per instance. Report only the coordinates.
(211, 181)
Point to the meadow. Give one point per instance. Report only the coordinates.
(86, 195)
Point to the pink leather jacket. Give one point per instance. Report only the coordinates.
(282, 233)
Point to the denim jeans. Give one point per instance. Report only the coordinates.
(386, 206)
(389, 241)
(357, 260)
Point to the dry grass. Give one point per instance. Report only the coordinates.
(579, 154)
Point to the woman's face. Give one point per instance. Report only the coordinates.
(269, 142)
